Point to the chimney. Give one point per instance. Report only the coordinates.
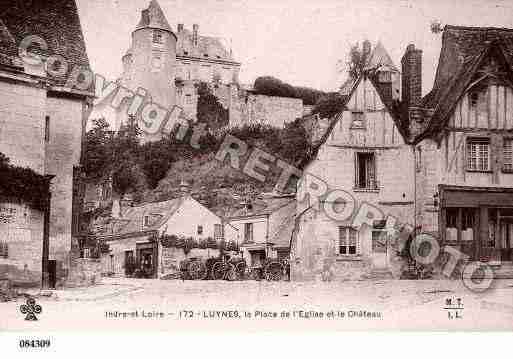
(185, 188)
(195, 29)
(412, 76)
(180, 28)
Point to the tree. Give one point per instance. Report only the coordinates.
(271, 86)
(210, 111)
(329, 105)
(156, 159)
(357, 58)
(97, 156)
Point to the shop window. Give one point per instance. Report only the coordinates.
(365, 174)
(478, 154)
(4, 250)
(348, 238)
(467, 225)
(507, 165)
(248, 232)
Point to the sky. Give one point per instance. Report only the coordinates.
(299, 42)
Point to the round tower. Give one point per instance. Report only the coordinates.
(152, 59)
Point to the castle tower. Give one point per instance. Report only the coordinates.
(150, 62)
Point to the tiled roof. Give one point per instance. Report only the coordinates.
(56, 21)
(463, 50)
(264, 206)
(154, 18)
(159, 212)
(207, 45)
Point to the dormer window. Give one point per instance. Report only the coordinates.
(385, 76)
(158, 37)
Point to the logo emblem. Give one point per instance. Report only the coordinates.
(31, 309)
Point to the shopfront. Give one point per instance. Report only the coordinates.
(478, 221)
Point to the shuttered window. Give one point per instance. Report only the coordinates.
(348, 241)
(365, 171)
(478, 154)
(508, 155)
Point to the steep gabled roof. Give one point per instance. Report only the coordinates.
(56, 21)
(380, 58)
(153, 17)
(391, 106)
(160, 211)
(464, 49)
(207, 45)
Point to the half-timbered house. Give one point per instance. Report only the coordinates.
(463, 133)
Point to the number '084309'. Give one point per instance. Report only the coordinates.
(34, 343)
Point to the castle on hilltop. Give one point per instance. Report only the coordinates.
(169, 65)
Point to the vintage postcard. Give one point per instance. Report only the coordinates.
(170, 165)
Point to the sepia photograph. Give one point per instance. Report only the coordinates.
(179, 166)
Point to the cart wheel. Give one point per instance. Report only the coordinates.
(230, 273)
(255, 274)
(273, 271)
(218, 271)
(197, 270)
(240, 269)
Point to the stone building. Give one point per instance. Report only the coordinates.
(169, 64)
(442, 164)
(264, 228)
(42, 122)
(133, 238)
(366, 154)
(462, 131)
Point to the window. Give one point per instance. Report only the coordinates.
(200, 230)
(157, 37)
(248, 232)
(473, 98)
(478, 154)
(4, 250)
(218, 232)
(365, 176)
(385, 76)
(348, 238)
(146, 221)
(188, 99)
(358, 120)
(507, 165)
(418, 159)
(47, 129)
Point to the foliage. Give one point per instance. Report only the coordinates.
(98, 150)
(357, 59)
(23, 184)
(156, 159)
(209, 109)
(329, 105)
(271, 86)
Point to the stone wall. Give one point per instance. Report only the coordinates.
(84, 272)
(62, 153)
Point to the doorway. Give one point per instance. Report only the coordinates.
(147, 259)
(506, 237)
(379, 250)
